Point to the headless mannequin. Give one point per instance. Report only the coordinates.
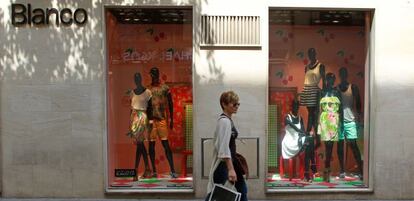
(308, 145)
(313, 110)
(331, 91)
(141, 150)
(293, 139)
(295, 119)
(155, 82)
(343, 87)
(314, 72)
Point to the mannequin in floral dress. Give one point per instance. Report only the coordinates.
(330, 121)
(138, 127)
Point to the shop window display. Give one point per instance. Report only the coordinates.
(317, 97)
(149, 98)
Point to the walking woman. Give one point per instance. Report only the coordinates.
(224, 165)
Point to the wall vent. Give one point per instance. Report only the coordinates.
(230, 31)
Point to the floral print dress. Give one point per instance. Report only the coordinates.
(329, 119)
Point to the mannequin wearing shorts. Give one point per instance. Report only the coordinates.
(349, 95)
(140, 97)
(161, 101)
(330, 121)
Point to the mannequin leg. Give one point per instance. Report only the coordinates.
(147, 172)
(357, 155)
(169, 155)
(312, 155)
(309, 158)
(311, 119)
(328, 156)
(137, 159)
(152, 157)
(340, 152)
(313, 123)
(315, 119)
(138, 154)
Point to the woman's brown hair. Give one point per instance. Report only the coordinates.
(228, 97)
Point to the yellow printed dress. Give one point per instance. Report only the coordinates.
(329, 119)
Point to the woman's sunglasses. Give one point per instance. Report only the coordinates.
(236, 104)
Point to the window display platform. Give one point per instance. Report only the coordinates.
(163, 181)
(274, 181)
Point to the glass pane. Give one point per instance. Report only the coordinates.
(149, 98)
(317, 91)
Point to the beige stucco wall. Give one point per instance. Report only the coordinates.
(52, 98)
(52, 106)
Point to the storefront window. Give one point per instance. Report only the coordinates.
(317, 135)
(149, 98)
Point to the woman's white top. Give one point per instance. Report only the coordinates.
(222, 136)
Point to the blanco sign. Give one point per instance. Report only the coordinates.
(27, 15)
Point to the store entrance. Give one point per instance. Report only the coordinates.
(149, 98)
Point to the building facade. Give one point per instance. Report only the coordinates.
(71, 72)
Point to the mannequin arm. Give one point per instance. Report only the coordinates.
(316, 134)
(170, 107)
(341, 111)
(149, 109)
(322, 72)
(290, 123)
(355, 93)
(302, 126)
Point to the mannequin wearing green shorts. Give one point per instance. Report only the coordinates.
(350, 100)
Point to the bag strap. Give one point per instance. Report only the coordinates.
(222, 115)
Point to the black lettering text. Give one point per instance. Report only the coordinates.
(24, 15)
(49, 12)
(80, 13)
(38, 16)
(18, 14)
(66, 16)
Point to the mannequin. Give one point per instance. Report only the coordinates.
(294, 133)
(349, 95)
(140, 97)
(330, 121)
(314, 73)
(296, 140)
(161, 100)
